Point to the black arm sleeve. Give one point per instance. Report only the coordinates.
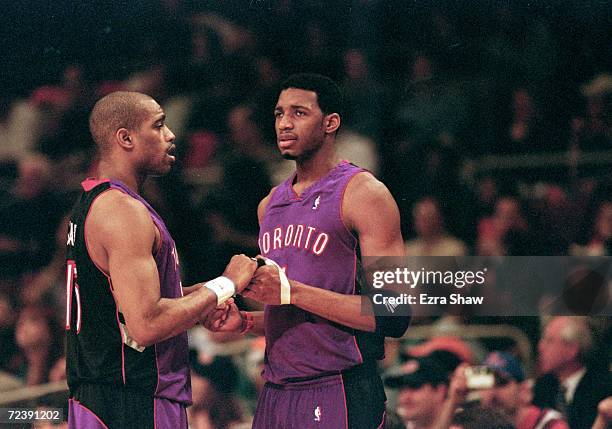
(390, 321)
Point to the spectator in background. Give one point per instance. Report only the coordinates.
(601, 240)
(431, 107)
(604, 414)
(205, 63)
(65, 108)
(505, 231)
(213, 384)
(8, 347)
(594, 131)
(267, 79)
(487, 193)
(423, 387)
(525, 132)
(567, 383)
(46, 286)
(475, 417)
(29, 216)
(359, 149)
(39, 339)
(364, 96)
(513, 395)
(432, 238)
(20, 127)
(456, 413)
(318, 55)
(245, 179)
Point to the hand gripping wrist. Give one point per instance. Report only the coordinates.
(223, 287)
(247, 322)
(285, 287)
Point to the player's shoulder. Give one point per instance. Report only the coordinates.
(115, 209)
(367, 199)
(364, 185)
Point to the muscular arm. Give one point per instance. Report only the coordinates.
(370, 211)
(121, 236)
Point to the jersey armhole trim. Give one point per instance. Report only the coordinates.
(341, 209)
(272, 194)
(85, 233)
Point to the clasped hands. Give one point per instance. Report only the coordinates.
(253, 279)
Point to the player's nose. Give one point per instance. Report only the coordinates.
(170, 137)
(285, 123)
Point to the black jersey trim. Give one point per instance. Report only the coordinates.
(85, 233)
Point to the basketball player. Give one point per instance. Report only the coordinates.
(321, 350)
(127, 352)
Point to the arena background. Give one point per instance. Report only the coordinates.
(498, 113)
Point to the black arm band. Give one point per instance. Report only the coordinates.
(390, 321)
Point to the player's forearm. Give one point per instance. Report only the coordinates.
(343, 309)
(172, 316)
(189, 289)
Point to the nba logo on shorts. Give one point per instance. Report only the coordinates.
(317, 413)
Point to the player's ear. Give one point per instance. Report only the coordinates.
(332, 123)
(122, 137)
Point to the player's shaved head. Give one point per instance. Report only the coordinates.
(121, 109)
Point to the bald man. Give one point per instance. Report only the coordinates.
(127, 312)
(569, 384)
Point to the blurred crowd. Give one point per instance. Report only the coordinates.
(491, 127)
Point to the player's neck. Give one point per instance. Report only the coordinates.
(310, 170)
(107, 169)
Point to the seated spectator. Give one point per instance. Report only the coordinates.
(39, 340)
(20, 127)
(594, 130)
(364, 96)
(454, 346)
(567, 383)
(601, 240)
(512, 394)
(230, 207)
(46, 287)
(476, 417)
(358, 148)
(457, 413)
(213, 385)
(423, 386)
(525, 132)
(604, 414)
(27, 238)
(8, 348)
(432, 238)
(505, 232)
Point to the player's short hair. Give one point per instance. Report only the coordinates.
(120, 109)
(329, 95)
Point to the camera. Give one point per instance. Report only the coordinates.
(479, 377)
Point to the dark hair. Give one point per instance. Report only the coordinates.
(478, 417)
(329, 95)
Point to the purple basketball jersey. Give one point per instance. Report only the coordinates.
(171, 355)
(307, 237)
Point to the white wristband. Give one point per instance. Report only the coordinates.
(285, 287)
(223, 287)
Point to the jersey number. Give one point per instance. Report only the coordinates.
(71, 285)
